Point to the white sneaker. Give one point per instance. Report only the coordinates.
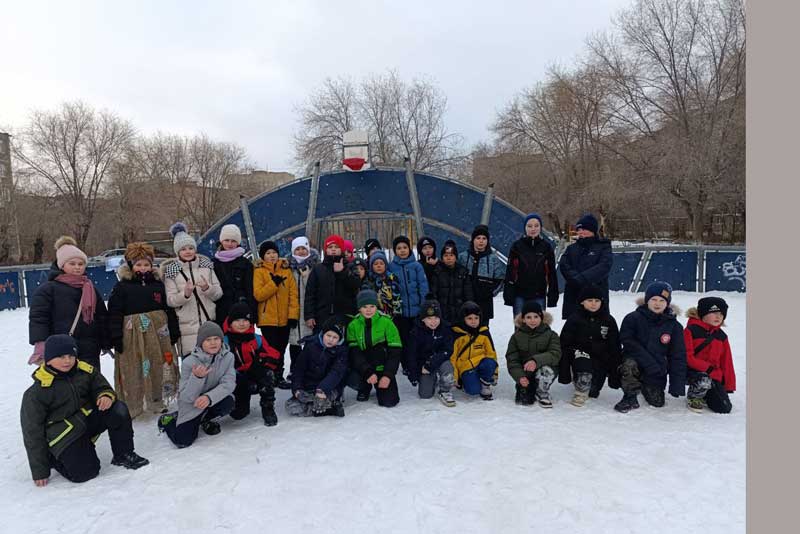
(447, 399)
(486, 391)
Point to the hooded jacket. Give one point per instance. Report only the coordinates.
(486, 273)
(275, 292)
(217, 384)
(319, 367)
(531, 272)
(329, 293)
(715, 358)
(452, 287)
(413, 283)
(375, 345)
(540, 344)
(586, 262)
(249, 348)
(470, 347)
(597, 334)
(429, 348)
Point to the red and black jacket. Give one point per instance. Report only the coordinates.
(714, 356)
(250, 347)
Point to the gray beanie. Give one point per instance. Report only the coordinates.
(206, 330)
(181, 238)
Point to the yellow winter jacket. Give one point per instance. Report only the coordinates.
(466, 356)
(277, 303)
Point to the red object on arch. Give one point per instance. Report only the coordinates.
(354, 164)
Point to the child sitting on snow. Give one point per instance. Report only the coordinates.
(430, 347)
(69, 404)
(652, 347)
(474, 359)
(533, 355)
(590, 348)
(319, 374)
(208, 379)
(708, 354)
(255, 362)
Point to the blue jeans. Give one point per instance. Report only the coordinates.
(519, 302)
(471, 380)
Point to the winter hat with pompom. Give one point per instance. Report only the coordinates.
(180, 237)
(230, 231)
(67, 249)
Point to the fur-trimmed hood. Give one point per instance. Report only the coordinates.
(282, 263)
(676, 311)
(547, 319)
(124, 272)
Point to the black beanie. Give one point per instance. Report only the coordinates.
(470, 308)
(425, 240)
(587, 222)
(371, 244)
(240, 310)
(531, 306)
(590, 292)
(658, 289)
(450, 246)
(332, 325)
(401, 239)
(481, 229)
(265, 246)
(708, 305)
(430, 308)
(59, 345)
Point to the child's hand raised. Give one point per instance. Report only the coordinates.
(383, 383)
(338, 266)
(373, 379)
(203, 283)
(187, 289)
(524, 382)
(530, 366)
(200, 371)
(202, 402)
(425, 371)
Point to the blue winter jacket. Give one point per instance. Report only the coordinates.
(319, 367)
(413, 283)
(429, 348)
(655, 341)
(586, 262)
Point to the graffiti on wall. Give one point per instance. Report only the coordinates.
(8, 287)
(736, 270)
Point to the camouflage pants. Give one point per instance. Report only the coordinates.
(630, 376)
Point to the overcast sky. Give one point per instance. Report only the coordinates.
(237, 70)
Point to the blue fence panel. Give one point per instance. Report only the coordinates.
(34, 279)
(506, 226)
(726, 271)
(374, 190)
(624, 270)
(9, 291)
(452, 204)
(102, 279)
(679, 269)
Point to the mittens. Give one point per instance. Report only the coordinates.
(278, 279)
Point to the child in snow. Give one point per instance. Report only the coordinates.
(426, 251)
(68, 406)
(331, 289)
(413, 290)
(68, 303)
(143, 329)
(320, 373)
(375, 351)
(359, 267)
(531, 269)
(590, 348)
(430, 346)
(372, 245)
(192, 286)
(708, 355)
(234, 272)
(385, 284)
(452, 286)
(302, 259)
(485, 269)
(533, 355)
(474, 359)
(275, 291)
(208, 380)
(255, 363)
(652, 347)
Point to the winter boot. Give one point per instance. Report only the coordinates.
(524, 396)
(629, 402)
(165, 420)
(544, 399)
(210, 426)
(281, 382)
(130, 460)
(363, 393)
(268, 413)
(695, 405)
(486, 390)
(654, 395)
(579, 399)
(583, 384)
(336, 409)
(594, 393)
(447, 398)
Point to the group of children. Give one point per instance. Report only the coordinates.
(346, 322)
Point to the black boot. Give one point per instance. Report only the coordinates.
(268, 413)
(337, 408)
(524, 396)
(363, 393)
(130, 460)
(281, 382)
(629, 402)
(654, 395)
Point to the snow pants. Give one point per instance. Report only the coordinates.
(701, 386)
(443, 377)
(185, 433)
(484, 372)
(278, 338)
(539, 383)
(257, 379)
(387, 397)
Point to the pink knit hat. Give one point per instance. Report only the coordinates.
(67, 249)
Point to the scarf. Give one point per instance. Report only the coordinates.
(226, 256)
(88, 294)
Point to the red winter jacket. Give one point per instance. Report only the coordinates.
(249, 347)
(716, 354)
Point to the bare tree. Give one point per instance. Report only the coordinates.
(72, 148)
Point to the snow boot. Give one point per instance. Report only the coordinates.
(130, 460)
(544, 399)
(629, 402)
(210, 427)
(363, 394)
(654, 395)
(447, 398)
(579, 399)
(486, 390)
(268, 413)
(336, 409)
(695, 405)
(281, 383)
(165, 420)
(594, 393)
(524, 396)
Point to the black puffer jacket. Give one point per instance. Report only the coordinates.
(452, 287)
(531, 272)
(52, 311)
(595, 334)
(586, 262)
(329, 293)
(236, 279)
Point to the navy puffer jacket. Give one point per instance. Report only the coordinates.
(319, 367)
(586, 262)
(429, 348)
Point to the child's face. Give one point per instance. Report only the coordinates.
(330, 339)
(212, 344)
(449, 259)
(427, 251)
(713, 318)
(229, 244)
(472, 320)
(187, 253)
(240, 326)
(480, 243)
(333, 250)
(592, 305)
(583, 232)
(75, 266)
(533, 228)
(349, 254)
(378, 267)
(368, 311)
(532, 320)
(301, 252)
(432, 322)
(62, 363)
(402, 250)
(657, 304)
(142, 266)
(361, 271)
(271, 256)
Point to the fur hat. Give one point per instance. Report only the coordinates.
(378, 256)
(371, 244)
(450, 246)
(334, 240)
(208, 329)
(67, 249)
(366, 297)
(658, 289)
(301, 241)
(400, 239)
(469, 308)
(708, 305)
(531, 306)
(265, 246)
(181, 238)
(430, 308)
(530, 216)
(139, 251)
(240, 310)
(423, 241)
(587, 222)
(230, 231)
(59, 345)
(590, 292)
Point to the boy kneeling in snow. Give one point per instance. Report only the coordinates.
(652, 347)
(474, 358)
(708, 354)
(319, 374)
(431, 345)
(208, 379)
(68, 406)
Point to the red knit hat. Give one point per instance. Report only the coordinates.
(334, 240)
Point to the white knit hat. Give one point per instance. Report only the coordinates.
(230, 231)
(181, 237)
(301, 241)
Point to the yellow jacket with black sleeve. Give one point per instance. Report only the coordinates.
(471, 345)
(54, 411)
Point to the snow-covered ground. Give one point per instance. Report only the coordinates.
(420, 467)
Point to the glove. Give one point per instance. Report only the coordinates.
(292, 323)
(278, 279)
(38, 354)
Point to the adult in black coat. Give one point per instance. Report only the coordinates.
(586, 262)
(451, 284)
(531, 269)
(332, 287)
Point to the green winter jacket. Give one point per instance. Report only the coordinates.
(377, 351)
(541, 345)
(383, 331)
(54, 411)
